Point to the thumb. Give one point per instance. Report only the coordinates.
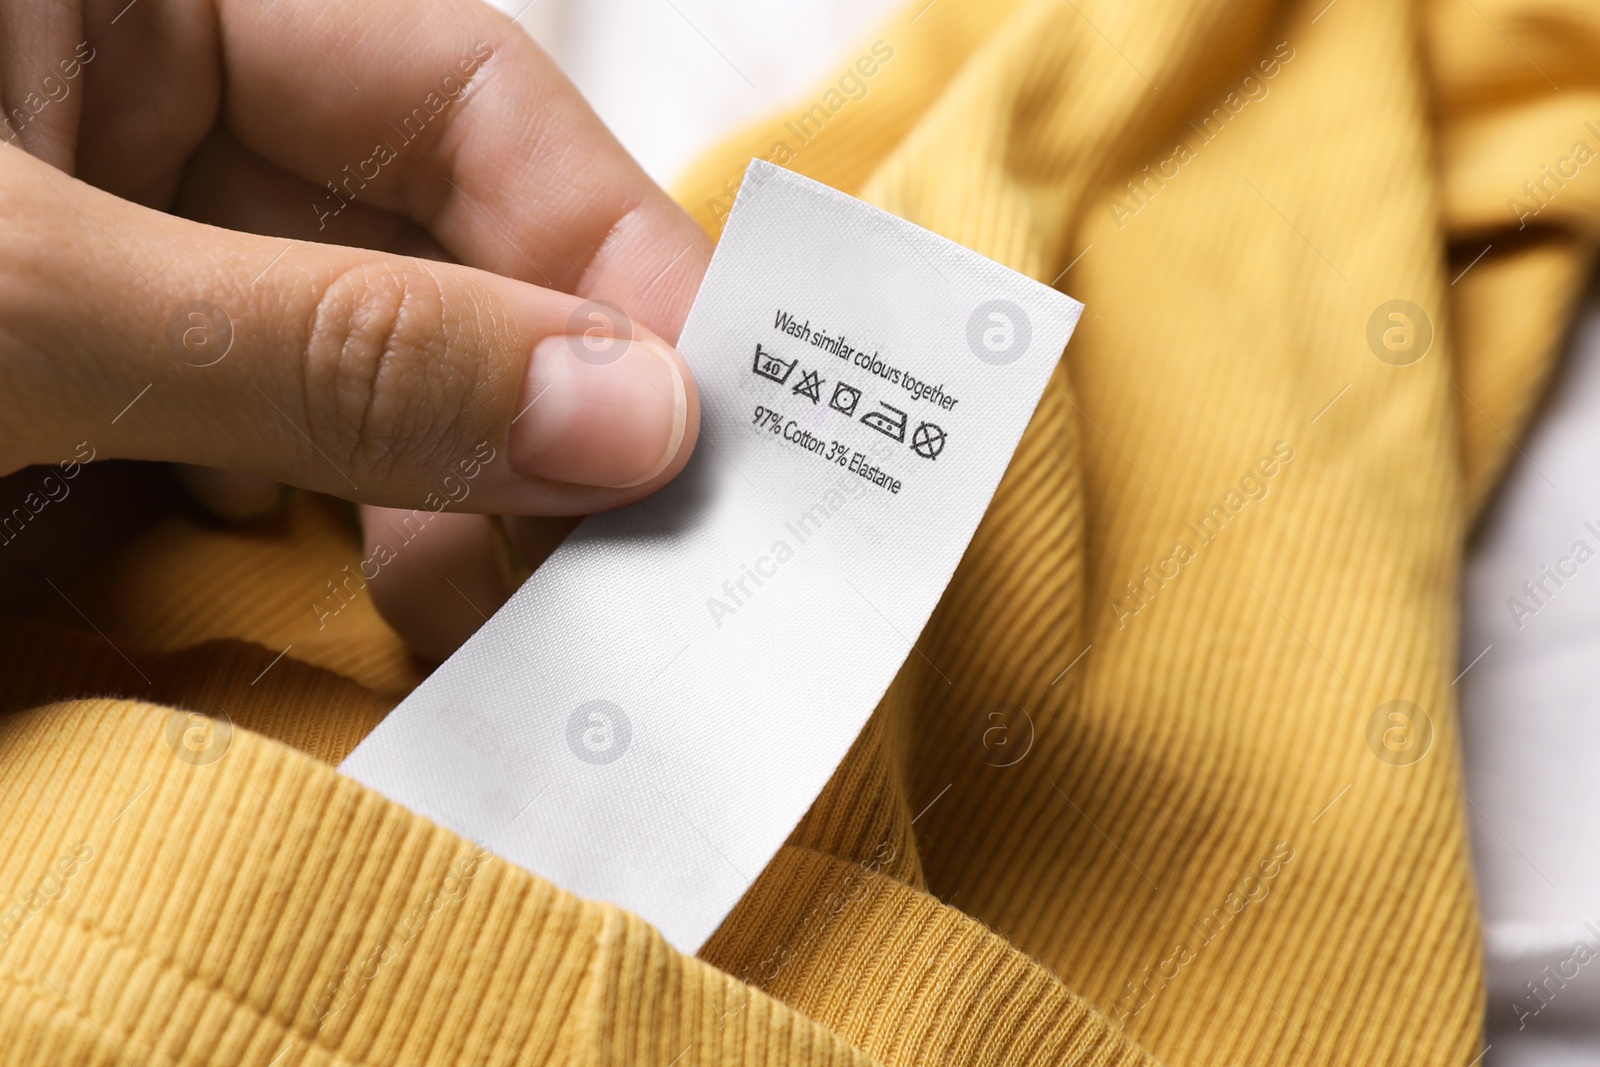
(374, 377)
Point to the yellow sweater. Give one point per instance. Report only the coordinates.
(1156, 802)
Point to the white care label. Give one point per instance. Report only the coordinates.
(648, 718)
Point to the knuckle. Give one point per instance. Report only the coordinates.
(389, 374)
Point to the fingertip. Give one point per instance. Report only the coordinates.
(617, 416)
(236, 496)
(436, 576)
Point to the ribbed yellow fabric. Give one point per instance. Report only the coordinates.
(1094, 821)
(1224, 709)
(178, 586)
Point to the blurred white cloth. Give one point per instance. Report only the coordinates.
(1531, 727)
(671, 77)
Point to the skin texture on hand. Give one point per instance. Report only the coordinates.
(348, 247)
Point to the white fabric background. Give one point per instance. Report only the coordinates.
(669, 78)
(1531, 730)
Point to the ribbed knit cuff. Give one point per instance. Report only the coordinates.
(186, 895)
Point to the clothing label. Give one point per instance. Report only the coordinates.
(648, 718)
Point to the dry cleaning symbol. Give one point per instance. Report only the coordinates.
(770, 366)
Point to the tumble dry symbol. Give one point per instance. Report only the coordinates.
(998, 332)
(599, 732)
(845, 398)
(1399, 332)
(927, 440)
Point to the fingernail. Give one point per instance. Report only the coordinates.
(615, 424)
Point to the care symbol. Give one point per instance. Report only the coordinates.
(927, 440)
(887, 425)
(809, 386)
(771, 367)
(845, 398)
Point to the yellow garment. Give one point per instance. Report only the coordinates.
(1200, 857)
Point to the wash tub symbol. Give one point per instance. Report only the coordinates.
(770, 366)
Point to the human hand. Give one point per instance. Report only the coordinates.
(322, 339)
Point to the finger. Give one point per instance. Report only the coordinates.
(535, 537)
(380, 378)
(446, 112)
(40, 61)
(435, 578)
(232, 495)
(225, 184)
(463, 564)
(152, 85)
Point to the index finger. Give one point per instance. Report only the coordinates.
(446, 112)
